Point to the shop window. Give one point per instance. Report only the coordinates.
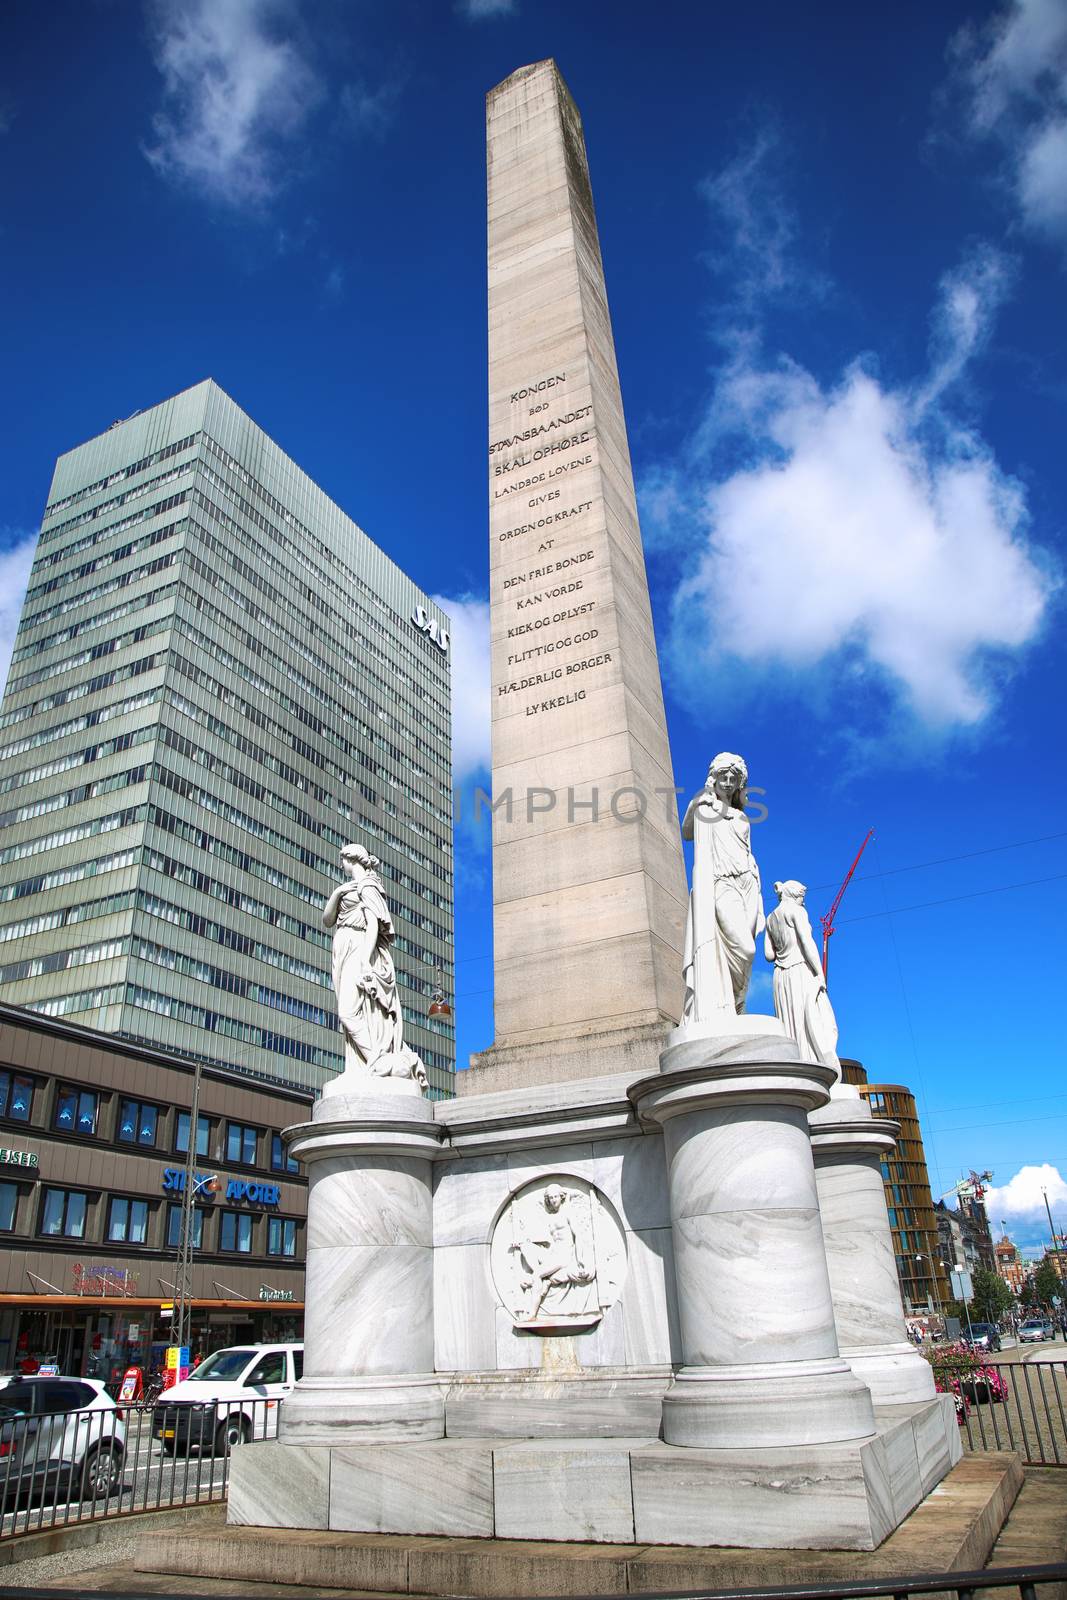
(63, 1213)
(279, 1160)
(127, 1221)
(235, 1231)
(77, 1110)
(241, 1143)
(16, 1096)
(9, 1200)
(281, 1236)
(137, 1123)
(174, 1228)
(181, 1134)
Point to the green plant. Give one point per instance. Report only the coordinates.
(992, 1297)
(1046, 1282)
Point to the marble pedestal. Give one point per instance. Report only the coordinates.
(368, 1325)
(848, 1145)
(759, 1343)
(700, 1396)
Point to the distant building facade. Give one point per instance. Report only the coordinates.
(920, 1268)
(94, 1135)
(1010, 1265)
(218, 681)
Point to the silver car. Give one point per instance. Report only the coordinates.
(58, 1436)
(1036, 1329)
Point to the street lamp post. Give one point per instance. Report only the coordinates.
(933, 1263)
(182, 1324)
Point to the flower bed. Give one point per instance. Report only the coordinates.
(959, 1371)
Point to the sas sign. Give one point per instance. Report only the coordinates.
(431, 627)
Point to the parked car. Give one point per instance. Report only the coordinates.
(982, 1336)
(1034, 1329)
(231, 1398)
(59, 1436)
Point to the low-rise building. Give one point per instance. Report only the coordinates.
(1010, 1265)
(94, 1133)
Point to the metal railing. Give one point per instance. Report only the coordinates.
(1024, 1409)
(61, 1468)
(964, 1585)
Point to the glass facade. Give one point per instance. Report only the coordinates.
(217, 682)
(923, 1281)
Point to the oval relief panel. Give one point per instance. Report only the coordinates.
(557, 1255)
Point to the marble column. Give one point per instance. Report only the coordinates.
(848, 1146)
(759, 1344)
(368, 1322)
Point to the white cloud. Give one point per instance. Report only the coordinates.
(479, 10)
(1015, 73)
(756, 229)
(470, 684)
(237, 86)
(971, 295)
(866, 529)
(15, 562)
(1021, 1198)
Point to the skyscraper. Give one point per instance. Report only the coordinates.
(218, 680)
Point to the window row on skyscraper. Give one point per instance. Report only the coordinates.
(123, 474)
(77, 758)
(252, 713)
(338, 645)
(99, 619)
(121, 580)
(371, 734)
(95, 652)
(306, 540)
(88, 686)
(122, 552)
(293, 547)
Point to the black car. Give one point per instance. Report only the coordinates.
(982, 1336)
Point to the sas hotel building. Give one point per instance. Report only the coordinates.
(218, 681)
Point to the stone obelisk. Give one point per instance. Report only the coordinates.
(589, 885)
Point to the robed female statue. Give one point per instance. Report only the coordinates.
(364, 977)
(725, 905)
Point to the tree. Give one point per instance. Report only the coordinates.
(992, 1297)
(1046, 1282)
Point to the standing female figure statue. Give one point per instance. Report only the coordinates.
(801, 1002)
(725, 905)
(364, 977)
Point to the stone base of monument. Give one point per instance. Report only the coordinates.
(951, 1531)
(612, 1309)
(848, 1495)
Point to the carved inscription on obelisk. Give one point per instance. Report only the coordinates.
(588, 878)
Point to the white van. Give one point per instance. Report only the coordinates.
(231, 1398)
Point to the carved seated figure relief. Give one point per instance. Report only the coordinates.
(558, 1255)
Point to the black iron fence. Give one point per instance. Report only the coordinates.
(59, 1468)
(1026, 1581)
(1012, 1405)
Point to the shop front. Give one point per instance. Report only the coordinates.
(103, 1338)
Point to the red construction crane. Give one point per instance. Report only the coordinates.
(828, 920)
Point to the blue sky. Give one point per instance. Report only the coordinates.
(835, 240)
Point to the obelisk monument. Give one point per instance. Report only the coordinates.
(589, 885)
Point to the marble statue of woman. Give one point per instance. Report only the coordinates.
(364, 977)
(725, 905)
(801, 1002)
